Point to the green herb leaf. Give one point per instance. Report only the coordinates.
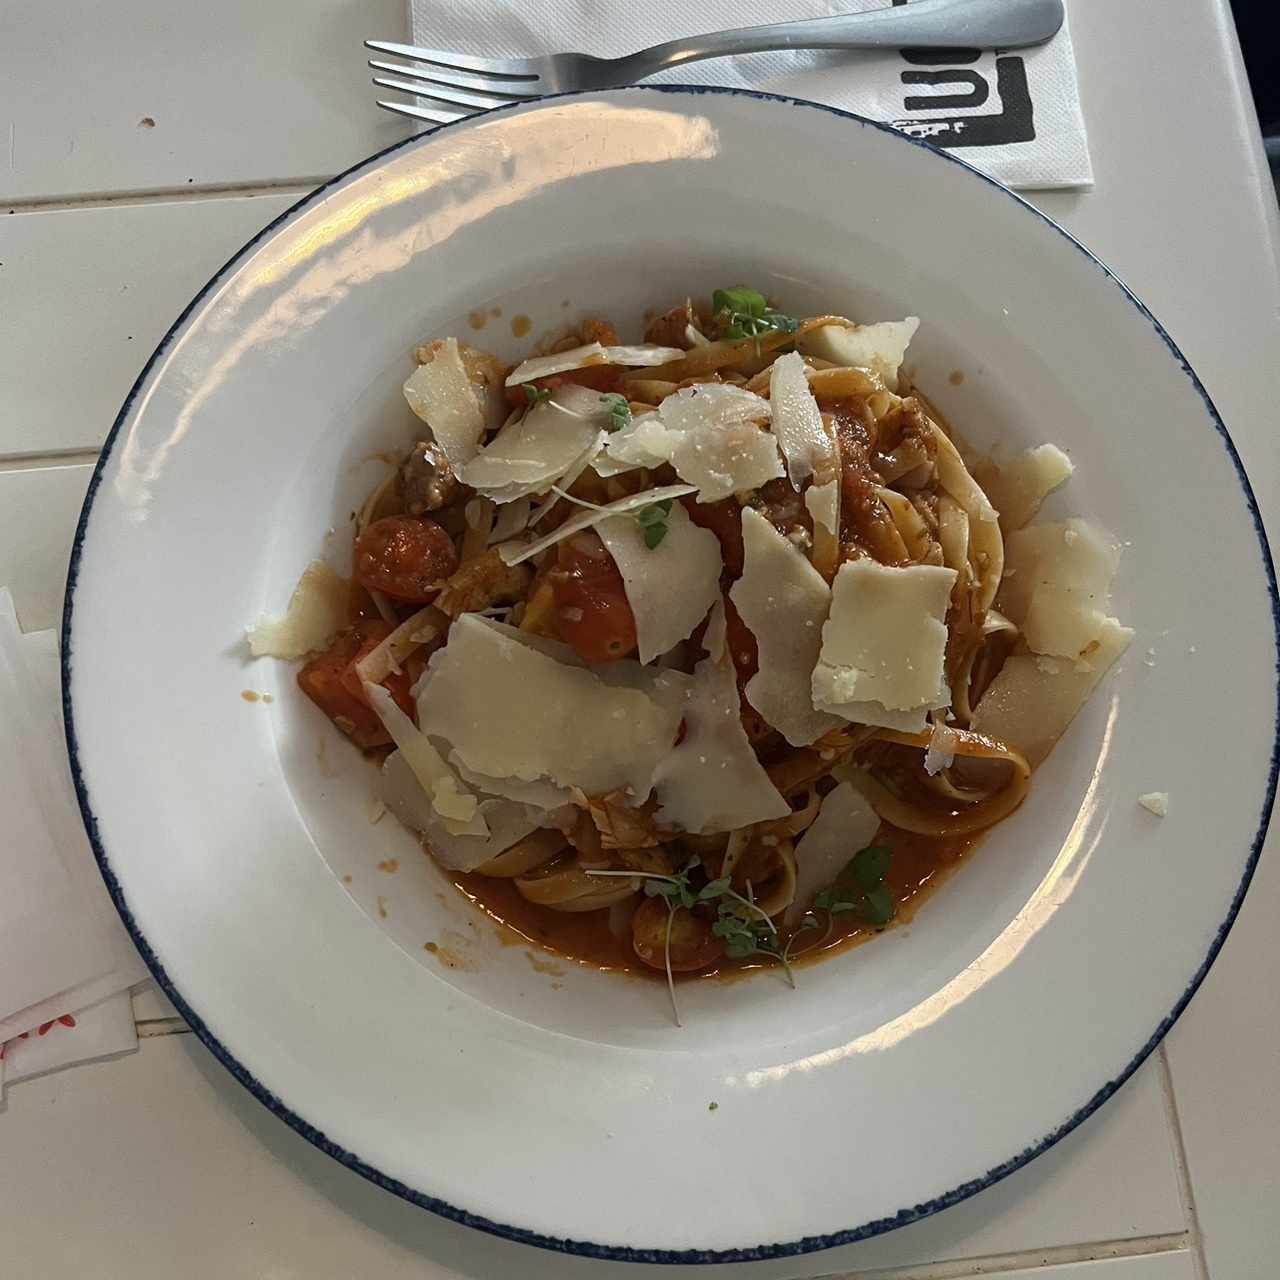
(712, 1106)
(741, 298)
(714, 889)
(535, 394)
(742, 312)
(619, 411)
(870, 866)
(653, 521)
(880, 906)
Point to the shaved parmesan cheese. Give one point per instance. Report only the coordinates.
(710, 433)
(941, 753)
(443, 395)
(538, 794)
(454, 804)
(797, 420)
(385, 658)
(669, 587)
(878, 347)
(845, 824)
(505, 822)
(1030, 709)
(530, 455)
(823, 502)
(1018, 486)
(1156, 802)
(317, 611)
(592, 353)
(719, 445)
(512, 519)
(712, 780)
(515, 553)
(643, 355)
(784, 602)
(1057, 585)
(643, 442)
(715, 639)
(510, 710)
(559, 362)
(883, 644)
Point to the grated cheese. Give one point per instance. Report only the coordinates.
(316, 612)
(443, 395)
(712, 781)
(783, 601)
(845, 824)
(669, 587)
(883, 643)
(509, 709)
(941, 752)
(879, 347)
(1156, 802)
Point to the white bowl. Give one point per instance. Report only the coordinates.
(555, 1104)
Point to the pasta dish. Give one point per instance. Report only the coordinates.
(707, 651)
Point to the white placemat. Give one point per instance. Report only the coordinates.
(1014, 114)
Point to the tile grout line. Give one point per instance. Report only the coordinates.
(162, 195)
(1194, 1237)
(1026, 1259)
(39, 461)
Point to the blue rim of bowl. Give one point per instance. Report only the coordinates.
(586, 1248)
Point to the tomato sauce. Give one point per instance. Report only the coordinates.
(919, 865)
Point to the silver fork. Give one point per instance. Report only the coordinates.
(463, 84)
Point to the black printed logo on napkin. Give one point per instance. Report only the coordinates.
(968, 98)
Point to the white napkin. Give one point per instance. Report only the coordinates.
(103, 1030)
(62, 946)
(1015, 115)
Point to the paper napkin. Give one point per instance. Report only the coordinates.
(1015, 114)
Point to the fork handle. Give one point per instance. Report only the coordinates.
(988, 24)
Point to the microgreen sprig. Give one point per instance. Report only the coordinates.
(618, 409)
(860, 887)
(653, 522)
(535, 395)
(742, 312)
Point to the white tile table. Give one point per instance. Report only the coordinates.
(140, 145)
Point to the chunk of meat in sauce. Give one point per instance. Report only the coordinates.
(669, 329)
(866, 527)
(330, 680)
(482, 583)
(683, 937)
(425, 480)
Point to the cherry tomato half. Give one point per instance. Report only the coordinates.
(405, 557)
(591, 609)
(329, 679)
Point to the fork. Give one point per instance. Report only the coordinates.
(463, 84)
